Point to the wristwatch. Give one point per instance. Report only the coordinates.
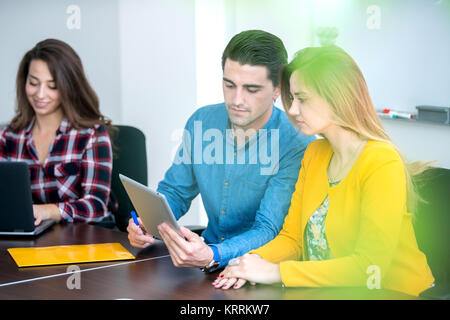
(214, 262)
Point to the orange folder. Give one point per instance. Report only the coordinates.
(42, 256)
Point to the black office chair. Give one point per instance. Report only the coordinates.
(431, 226)
(130, 159)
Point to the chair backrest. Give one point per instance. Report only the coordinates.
(130, 159)
(432, 221)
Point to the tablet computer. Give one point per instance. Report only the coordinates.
(151, 206)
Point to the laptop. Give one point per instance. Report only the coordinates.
(151, 206)
(16, 204)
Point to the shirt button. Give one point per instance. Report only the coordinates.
(226, 183)
(235, 154)
(222, 239)
(222, 212)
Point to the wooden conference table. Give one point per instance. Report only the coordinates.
(150, 276)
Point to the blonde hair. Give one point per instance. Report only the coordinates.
(336, 77)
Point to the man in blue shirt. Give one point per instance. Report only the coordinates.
(243, 156)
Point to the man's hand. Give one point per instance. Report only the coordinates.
(190, 251)
(137, 237)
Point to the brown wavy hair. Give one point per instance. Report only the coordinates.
(79, 101)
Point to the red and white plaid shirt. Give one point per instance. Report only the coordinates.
(76, 176)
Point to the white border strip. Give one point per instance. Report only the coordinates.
(84, 270)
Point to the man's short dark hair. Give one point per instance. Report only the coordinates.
(257, 48)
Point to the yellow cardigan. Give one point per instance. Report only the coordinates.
(367, 225)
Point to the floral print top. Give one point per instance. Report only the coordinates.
(315, 238)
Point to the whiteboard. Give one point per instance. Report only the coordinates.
(402, 48)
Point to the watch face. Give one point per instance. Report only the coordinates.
(211, 267)
(211, 264)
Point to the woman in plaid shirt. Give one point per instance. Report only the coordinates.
(59, 131)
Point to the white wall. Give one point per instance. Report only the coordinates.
(421, 141)
(158, 78)
(23, 23)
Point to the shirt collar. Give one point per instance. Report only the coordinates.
(64, 126)
(30, 126)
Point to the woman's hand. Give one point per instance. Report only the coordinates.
(43, 212)
(251, 267)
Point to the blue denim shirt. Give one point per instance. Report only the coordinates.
(246, 191)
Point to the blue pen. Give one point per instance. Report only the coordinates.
(136, 222)
(135, 219)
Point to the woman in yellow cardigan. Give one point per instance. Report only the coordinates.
(349, 223)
